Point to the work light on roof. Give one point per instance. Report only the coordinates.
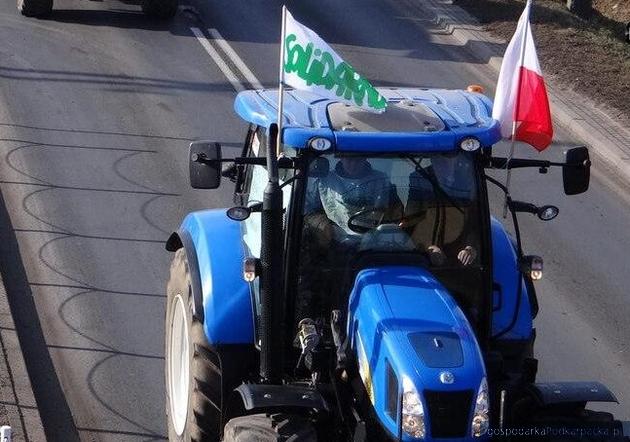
(470, 144)
(320, 144)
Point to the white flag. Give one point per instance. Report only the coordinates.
(311, 65)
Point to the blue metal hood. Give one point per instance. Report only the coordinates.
(406, 322)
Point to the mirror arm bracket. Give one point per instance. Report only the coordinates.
(201, 158)
(518, 163)
(284, 163)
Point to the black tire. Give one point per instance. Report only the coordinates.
(162, 9)
(35, 8)
(269, 428)
(202, 416)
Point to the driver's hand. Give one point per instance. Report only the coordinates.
(436, 256)
(467, 255)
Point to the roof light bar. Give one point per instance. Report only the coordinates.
(470, 144)
(320, 144)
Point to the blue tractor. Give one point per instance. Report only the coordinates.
(359, 289)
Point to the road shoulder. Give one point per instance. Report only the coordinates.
(17, 401)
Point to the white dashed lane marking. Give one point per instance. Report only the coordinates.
(229, 74)
(238, 61)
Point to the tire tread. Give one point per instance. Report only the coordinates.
(35, 8)
(278, 427)
(203, 368)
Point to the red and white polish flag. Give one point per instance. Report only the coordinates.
(521, 95)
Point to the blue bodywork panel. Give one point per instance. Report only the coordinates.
(464, 114)
(506, 274)
(401, 318)
(227, 306)
(406, 321)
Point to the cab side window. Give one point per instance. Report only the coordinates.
(253, 190)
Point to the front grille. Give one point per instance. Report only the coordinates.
(449, 412)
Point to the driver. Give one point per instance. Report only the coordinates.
(351, 187)
(328, 242)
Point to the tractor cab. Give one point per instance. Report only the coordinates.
(359, 289)
(401, 188)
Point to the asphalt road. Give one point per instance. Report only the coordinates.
(97, 107)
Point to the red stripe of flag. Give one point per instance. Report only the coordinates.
(533, 114)
(521, 94)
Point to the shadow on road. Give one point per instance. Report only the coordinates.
(115, 83)
(397, 25)
(89, 132)
(114, 18)
(108, 357)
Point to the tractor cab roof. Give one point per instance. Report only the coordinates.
(416, 120)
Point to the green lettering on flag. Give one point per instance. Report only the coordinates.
(310, 64)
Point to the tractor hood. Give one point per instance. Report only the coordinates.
(407, 332)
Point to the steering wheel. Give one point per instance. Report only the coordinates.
(360, 223)
(379, 233)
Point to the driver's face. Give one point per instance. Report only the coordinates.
(352, 166)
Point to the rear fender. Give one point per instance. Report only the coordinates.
(176, 241)
(257, 398)
(222, 299)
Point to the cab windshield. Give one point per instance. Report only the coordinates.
(412, 203)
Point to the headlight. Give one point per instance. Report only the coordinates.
(412, 411)
(481, 421)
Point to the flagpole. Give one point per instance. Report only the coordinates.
(281, 80)
(516, 106)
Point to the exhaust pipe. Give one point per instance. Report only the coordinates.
(271, 348)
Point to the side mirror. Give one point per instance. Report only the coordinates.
(320, 167)
(205, 164)
(576, 171)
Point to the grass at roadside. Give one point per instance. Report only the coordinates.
(587, 56)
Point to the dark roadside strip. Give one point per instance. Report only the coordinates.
(10, 374)
(51, 402)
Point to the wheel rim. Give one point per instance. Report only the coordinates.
(178, 369)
